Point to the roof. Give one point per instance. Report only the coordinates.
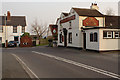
(14, 21)
(112, 21)
(101, 28)
(66, 14)
(88, 12)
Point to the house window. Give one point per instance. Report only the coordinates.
(23, 29)
(1, 29)
(95, 37)
(60, 38)
(14, 29)
(91, 37)
(70, 38)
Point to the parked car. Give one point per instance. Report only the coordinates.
(12, 44)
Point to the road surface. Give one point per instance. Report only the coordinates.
(47, 62)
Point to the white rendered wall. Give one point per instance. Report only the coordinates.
(75, 30)
(109, 44)
(92, 45)
(9, 33)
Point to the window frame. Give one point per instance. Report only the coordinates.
(112, 34)
(70, 24)
(107, 33)
(95, 37)
(91, 37)
(1, 30)
(23, 29)
(70, 37)
(117, 34)
(14, 29)
(60, 36)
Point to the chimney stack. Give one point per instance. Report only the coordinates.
(8, 15)
(94, 6)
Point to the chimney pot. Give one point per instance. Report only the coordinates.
(94, 6)
(8, 15)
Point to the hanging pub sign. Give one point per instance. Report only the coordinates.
(90, 21)
(54, 30)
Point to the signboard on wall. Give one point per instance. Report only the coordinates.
(90, 21)
(67, 19)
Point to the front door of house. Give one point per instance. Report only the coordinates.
(84, 40)
(65, 37)
(16, 38)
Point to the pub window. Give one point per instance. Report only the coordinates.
(23, 29)
(117, 34)
(60, 38)
(91, 37)
(107, 34)
(70, 38)
(14, 29)
(70, 25)
(1, 29)
(95, 37)
(104, 33)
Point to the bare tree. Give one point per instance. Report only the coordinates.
(109, 11)
(39, 29)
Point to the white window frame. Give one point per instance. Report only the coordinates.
(116, 34)
(109, 34)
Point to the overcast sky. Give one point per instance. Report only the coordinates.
(47, 11)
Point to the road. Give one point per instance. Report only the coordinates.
(47, 62)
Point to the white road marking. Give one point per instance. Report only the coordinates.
(101, 71)
(26, 68)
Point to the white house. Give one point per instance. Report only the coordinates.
(74, 29)
(11, 27)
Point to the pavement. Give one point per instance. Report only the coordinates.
(47, 62)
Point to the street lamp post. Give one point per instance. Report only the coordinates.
(19, 34)
(5, 31)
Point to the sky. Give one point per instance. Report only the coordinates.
(47, 11)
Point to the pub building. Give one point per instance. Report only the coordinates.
(89, 29)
